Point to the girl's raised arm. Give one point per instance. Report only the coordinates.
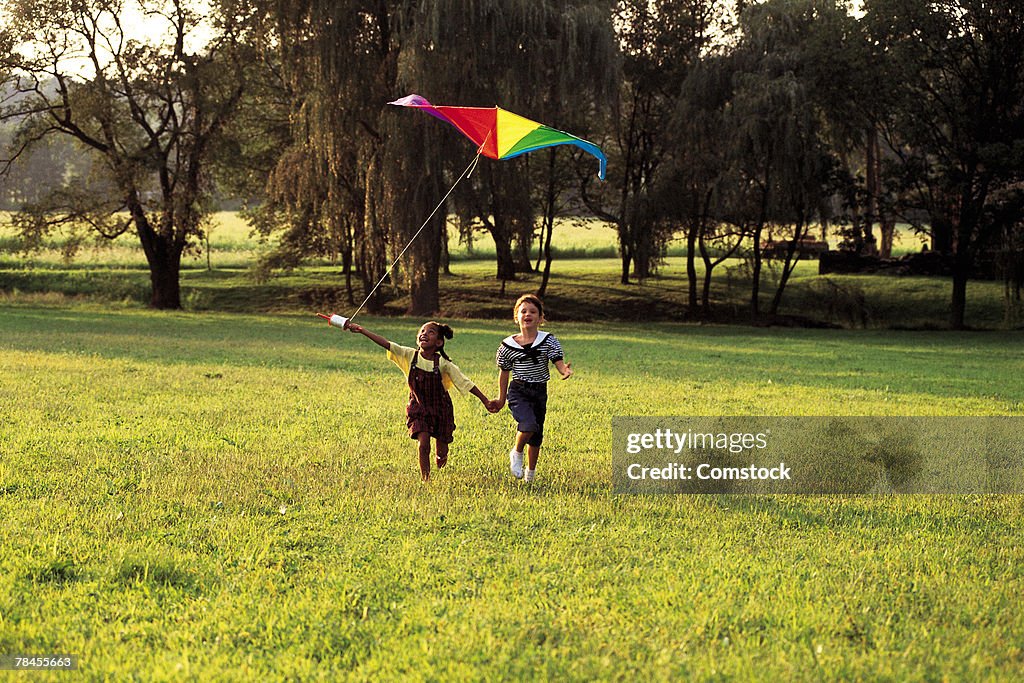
(359, 329)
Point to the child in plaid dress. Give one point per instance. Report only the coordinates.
(429, 373)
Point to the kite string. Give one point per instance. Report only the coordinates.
(465, 174)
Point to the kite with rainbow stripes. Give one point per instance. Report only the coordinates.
(500, 134)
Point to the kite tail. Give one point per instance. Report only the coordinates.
(465, 174)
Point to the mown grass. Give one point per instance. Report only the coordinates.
(584, 285)
(579, 289)
(232, 243)
(224, 496)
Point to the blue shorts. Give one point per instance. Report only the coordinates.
(528, 402)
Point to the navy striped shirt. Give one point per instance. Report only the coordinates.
(529, 363)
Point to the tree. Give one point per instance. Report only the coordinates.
(554, 62)
(385, 170)
(660, 41)
(777, 149)
(148, 109)
(957, 123)
(698, 179)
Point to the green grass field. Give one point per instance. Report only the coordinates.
(232, 244)
(584, 283)
(228, 493)
(223, 496)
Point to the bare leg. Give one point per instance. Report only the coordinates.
(521, 439)
(424, 449)
(532, 453)
(442, 453)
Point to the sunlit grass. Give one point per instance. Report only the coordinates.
(584, 282)
(234, 496)
(231, 240)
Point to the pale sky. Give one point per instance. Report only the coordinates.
(142, 24)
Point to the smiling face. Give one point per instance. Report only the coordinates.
(528, 316)
(429, 338)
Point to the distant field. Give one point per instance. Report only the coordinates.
(580, 289)
(584, 284)
(221, 496)
(232, 244)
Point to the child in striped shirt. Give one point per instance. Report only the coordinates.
(525, 356)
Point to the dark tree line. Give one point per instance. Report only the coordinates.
(734, 124)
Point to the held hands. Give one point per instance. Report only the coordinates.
(495, 405)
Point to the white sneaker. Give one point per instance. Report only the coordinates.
(530, 474)
(515, 463)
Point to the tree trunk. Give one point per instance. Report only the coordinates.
(547, 225)
(346, 262)
(887, 229)
(942, 235)
(424, 250)
(164, 276)
(523, 243)
(962, 264)
(958, 305)
(163, 254)
(705, 297)
(424, 296)
(446, 258)
(755, 277)
(424, 285)
(788, 265)
(164, 259)
(627, 259)
(645, 253)
(762, 220)
(548, 258)
(504, 257)
(691, 266)
(874, 188)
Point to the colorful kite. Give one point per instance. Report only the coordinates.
(500, 134)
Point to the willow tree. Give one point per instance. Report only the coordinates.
(385, 170)
(699, 178)
(356, 176)
(334, 60)
(776, 148)
(555, 62)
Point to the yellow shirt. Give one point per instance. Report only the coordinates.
(451, 375)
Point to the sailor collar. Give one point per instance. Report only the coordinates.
(511, 341)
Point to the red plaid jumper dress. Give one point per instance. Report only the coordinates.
(430, 407)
